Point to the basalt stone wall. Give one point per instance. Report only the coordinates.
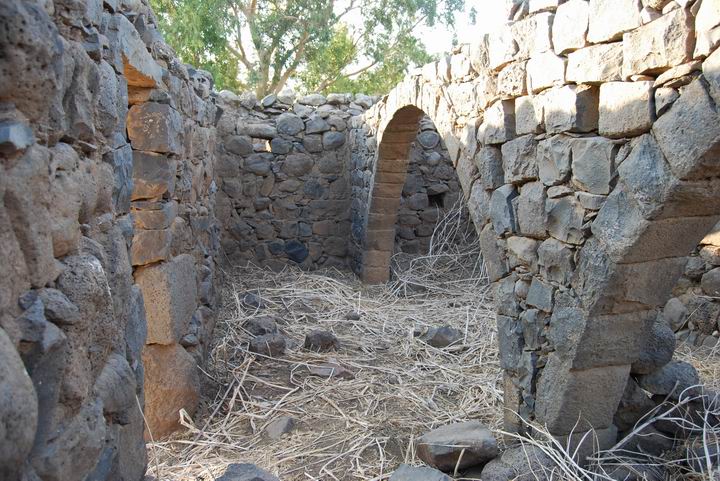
(694, 310)
(283, 180)
(106, 152)
(431, 190)
(586, 137)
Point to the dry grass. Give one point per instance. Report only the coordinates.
(347, 429)
(361, 429)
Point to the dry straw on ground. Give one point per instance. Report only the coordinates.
(362, 428)
(358, 429)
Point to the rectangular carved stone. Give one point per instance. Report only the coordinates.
(153, 175)
(545, 70)
(155, 127)
(499, 123)
(512, 80)
(569, 400)
(691, 151)
(570, 26)
(596, 64)
(707, 26)
(533, 34)
(170, 293)
(529, 115)
(659, 45)
(627, 109)
(150, 246)
(573, 108)
(519, 160)
(609, 19)
(593, 163)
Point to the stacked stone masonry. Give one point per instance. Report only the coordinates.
(107, 234)
(586, 138)
(285, 180)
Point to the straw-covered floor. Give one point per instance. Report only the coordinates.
(360, 428)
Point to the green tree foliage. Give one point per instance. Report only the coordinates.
(323, 45)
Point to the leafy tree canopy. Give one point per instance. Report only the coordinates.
(319, 45)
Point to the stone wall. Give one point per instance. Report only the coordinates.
(585, 135)
(694, 310)
(283, 180)
(106, 153)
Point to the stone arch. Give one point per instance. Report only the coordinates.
(587, 207)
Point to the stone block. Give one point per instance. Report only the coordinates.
(493, 251)
(533, 34)
(570, 27)
(150, 246)
(155, 127)
(545, 70)
(170, 294)
(554, 159)
(291, 124)
(556, 261)
(499, 123)
(154, 215)
(690, 151)
(502, 210)
(578, 400)
(171, 384)
(510, 342)
(479, 206)
(457, 446)
(711, 72)
(531, 215)
(153, 175)
(489, 163)
(502, 48)
(659, 45)
(405, 472)
(519, 160)
(626, 109)
(529, 115)
(573, 108)
(664, 99)
(593, 164)
(565, 219)
(609, 19)
(19, 411)
(707, 27)
(140, 69)
(512, 80)
(596, 64)
(522, 251)
(541, 295)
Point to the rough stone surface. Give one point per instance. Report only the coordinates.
(406, 472)
(441, 447)
(626, 109)
(246, 472)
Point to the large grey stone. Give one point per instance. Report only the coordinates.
(333, 140)
(593, 164)
(155, 127)
(570, 26)
(490, 166)
(659, 45)
(556, 261)
(691, 152)
(289, 124)
(596, 64)
(635, 404)
(545, 70)
(499, 123)
(529, 115)
(626, 109)
(442, 447)
(521, 463)
(531, 215)
(502, 210)
(656, 347)
(153, 175)
(710, 282)
(297, 164)
(573, 108)
(406, 472)
(18, 410)
(565, 219)
(519, 160)
(246, 472)
(671, 380)
(541, 295)
(707, 27)
(493, 253)
(510, 341)
(170, 294)
(554, 159)
(610, 18)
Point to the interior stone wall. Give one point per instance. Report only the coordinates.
(284, 185)
(106, 222)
